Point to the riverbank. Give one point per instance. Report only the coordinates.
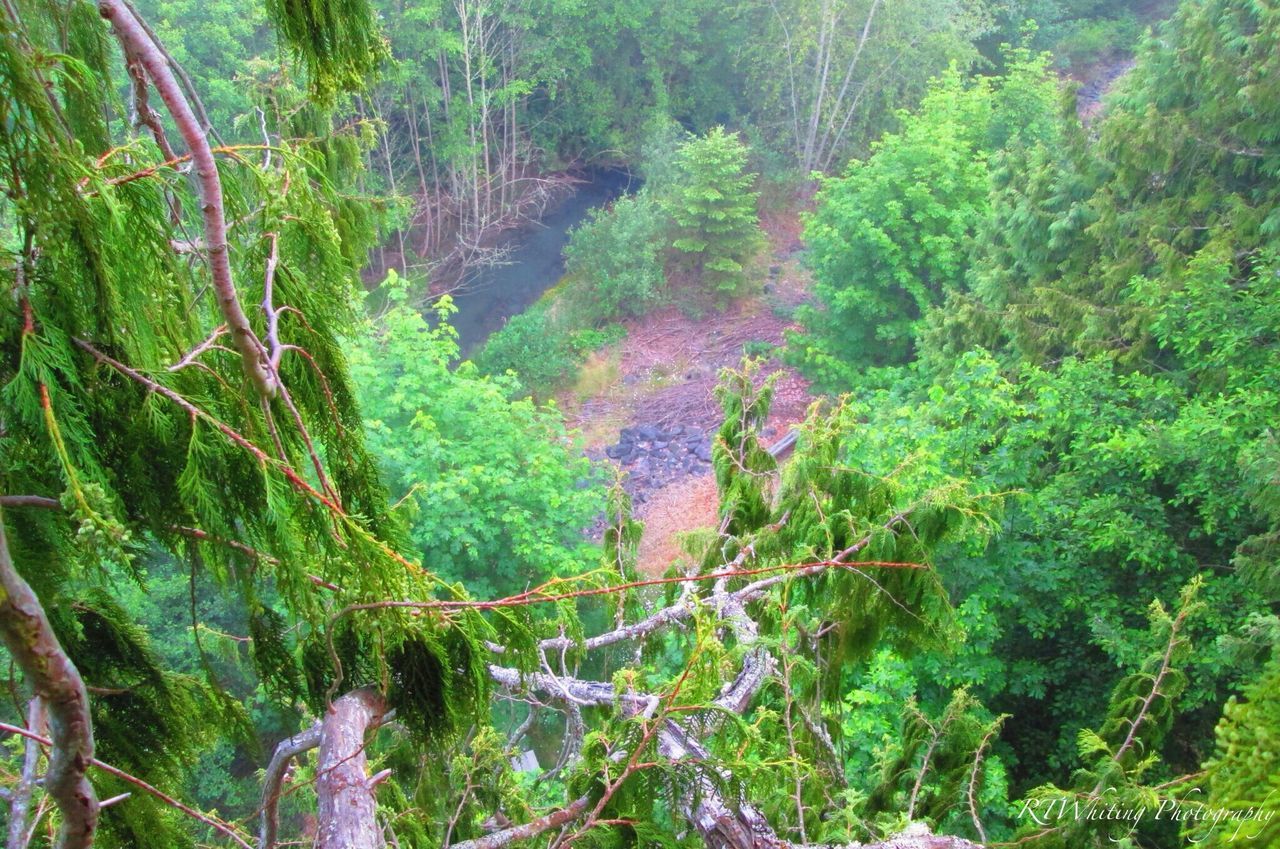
(646, 404)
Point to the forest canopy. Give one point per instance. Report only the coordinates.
(283, 562)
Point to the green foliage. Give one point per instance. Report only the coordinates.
(122, 403)
(827, 79)
(1181, 177)
(494, 493)
(1242, 782)
(742, 463)
(338, 42)
(890, 239)
(937, 766)
(1080, 32)
(221, 44)
(1119, 755)
(540, 347)
(713, 206)
(1122, 478)
(613, 262)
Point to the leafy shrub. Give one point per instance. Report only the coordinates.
(533, 345)
(493, 487)
(541, 349)
(613, 261)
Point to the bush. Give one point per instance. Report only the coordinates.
(494, 490)
(533, 345)
(612, 261)
(541, 349)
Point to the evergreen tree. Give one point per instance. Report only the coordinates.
(172, 380)
(713, 207)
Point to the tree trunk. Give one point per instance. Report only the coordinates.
(345, 794)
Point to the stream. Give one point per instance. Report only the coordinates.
(535, 263)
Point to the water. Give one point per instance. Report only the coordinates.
(535, 264)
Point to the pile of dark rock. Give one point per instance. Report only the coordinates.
(654, 456)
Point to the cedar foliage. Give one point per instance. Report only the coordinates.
(146, 451)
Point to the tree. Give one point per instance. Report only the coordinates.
(831, 76)
(494, 491)
(1181, 166)
(713, 206)
(146, 408)
(890, 239)
(613, 263)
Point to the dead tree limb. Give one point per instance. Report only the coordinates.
(29, 501)
(26, 632)
(284, 754)
(722, 821)
(532, 828)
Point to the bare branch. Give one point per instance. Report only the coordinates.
(284, 754)
(972, 791)
(29, 501)
(532, 828)
(20, 799)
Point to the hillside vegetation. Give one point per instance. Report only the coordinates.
(278, 568)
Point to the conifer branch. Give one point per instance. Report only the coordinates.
(971, 792)
(225, 429)
(212, 822)
(137, 42)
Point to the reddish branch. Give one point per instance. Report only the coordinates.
(231, 433)
(138, 44)
(26, 632)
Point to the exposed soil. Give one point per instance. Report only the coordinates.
(648, 405)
